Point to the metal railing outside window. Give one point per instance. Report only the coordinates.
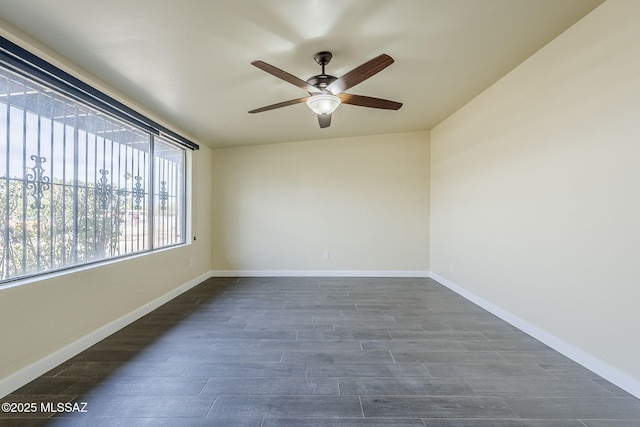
(78, 185)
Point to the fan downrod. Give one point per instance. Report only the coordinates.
(322, 80)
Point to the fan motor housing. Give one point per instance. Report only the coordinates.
(321, 81)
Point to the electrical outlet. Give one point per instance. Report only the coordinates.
(451, 268)
(325, 255)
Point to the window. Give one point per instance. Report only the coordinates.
(169, 219)
(78, 183)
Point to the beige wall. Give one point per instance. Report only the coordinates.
(365, 200)
(44, 316)
(535, 190)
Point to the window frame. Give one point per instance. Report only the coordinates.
(31, 67)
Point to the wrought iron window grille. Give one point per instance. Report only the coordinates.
(79, 184)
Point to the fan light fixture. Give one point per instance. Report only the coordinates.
(326, 92)
(323, 103)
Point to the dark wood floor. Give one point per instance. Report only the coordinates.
(338, 352)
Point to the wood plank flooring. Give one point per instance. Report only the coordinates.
(333, 352)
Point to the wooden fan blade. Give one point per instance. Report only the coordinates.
(289, 78)
(360, 74)
(324, 120)
(280, 105)
(367, 101)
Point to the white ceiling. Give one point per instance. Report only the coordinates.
(188, 61)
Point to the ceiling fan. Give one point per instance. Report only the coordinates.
(326, 92)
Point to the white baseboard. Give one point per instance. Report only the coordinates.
(603, 369)
(29, 373)
(606, 371)
(36, 369)
(319, 273)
